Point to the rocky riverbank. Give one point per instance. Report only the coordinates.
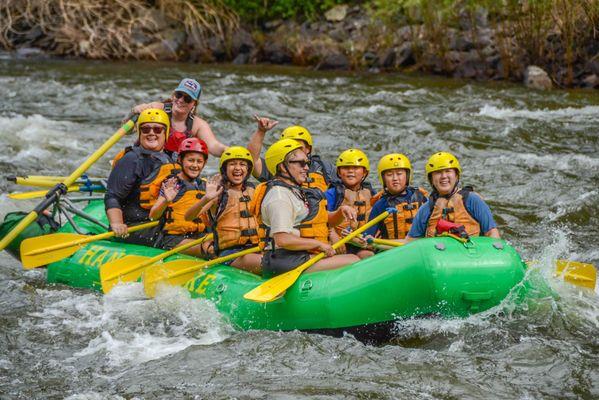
(473, 46)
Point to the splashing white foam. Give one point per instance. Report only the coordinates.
(568, 113)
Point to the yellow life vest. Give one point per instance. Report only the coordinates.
(175, 223)
(452, 209)
(397, 225)
(234, 224)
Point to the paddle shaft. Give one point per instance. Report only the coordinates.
(341, 242)
(53, 193)
(90, 239)
(386, 242)
(41, 193)
(48, 182)
(159, 257)
(215, 261)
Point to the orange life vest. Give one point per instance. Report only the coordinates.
(175, 223)
(454, 210)
(150, 186)
(313, 226)
(317, 175)
(397, 225)
(359, 200)
(234, 224)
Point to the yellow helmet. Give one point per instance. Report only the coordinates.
(277, 152)
(353, 158)
(236, 153)
(393, 161)
(154, 115)
(298, 133)
(442, 160)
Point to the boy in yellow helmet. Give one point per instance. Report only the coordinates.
(452, 203)
(352, 168)
(395, 173)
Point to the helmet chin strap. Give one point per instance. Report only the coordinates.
(288, 176)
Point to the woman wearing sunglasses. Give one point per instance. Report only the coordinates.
(296, 218)
(134, 182)
(181, 109)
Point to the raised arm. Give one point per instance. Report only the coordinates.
(257, 140)
(202, 130)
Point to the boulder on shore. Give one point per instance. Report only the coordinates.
(536, 78)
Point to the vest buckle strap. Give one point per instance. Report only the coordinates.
(245, 214)
(249, 232)
(244, 199)
(359, 203)
(361, 217)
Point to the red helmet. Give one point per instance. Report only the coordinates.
(193, 144)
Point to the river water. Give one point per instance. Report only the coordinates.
(532, 155)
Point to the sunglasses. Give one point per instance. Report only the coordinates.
(186, 98)
(156, 129)
(300, 163)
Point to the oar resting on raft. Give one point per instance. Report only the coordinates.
(275, 287)
(574, 272)
(61, 186)
(177, 272)
(42, 250)
(130, 268)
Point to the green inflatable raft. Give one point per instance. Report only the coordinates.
(429, 277)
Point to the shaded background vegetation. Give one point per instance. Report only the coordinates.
(562, 36)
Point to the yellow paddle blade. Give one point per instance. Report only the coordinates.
(577, 273)
(168, 273)
(32, 245)
(120, 270)
(273, 288)
(36, 194)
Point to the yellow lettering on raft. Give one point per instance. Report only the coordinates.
(99, 260)
(208, 279)
(88, 255)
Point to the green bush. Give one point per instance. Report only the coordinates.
(257, 11)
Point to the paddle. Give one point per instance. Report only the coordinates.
(41, 193)
(46, 181)
(275, 287)
(180, 271)
(577, 273)
(61, 187)
(130, 268)
(46, 249)
(385, 242)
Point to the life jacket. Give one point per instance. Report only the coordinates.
(452, 209)
(120, 155)
(234, 224)
(359, 200)
(176, 137)
(313, 226)
(150, 186)
(175, 223)
(397, 225)
(317, 174)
